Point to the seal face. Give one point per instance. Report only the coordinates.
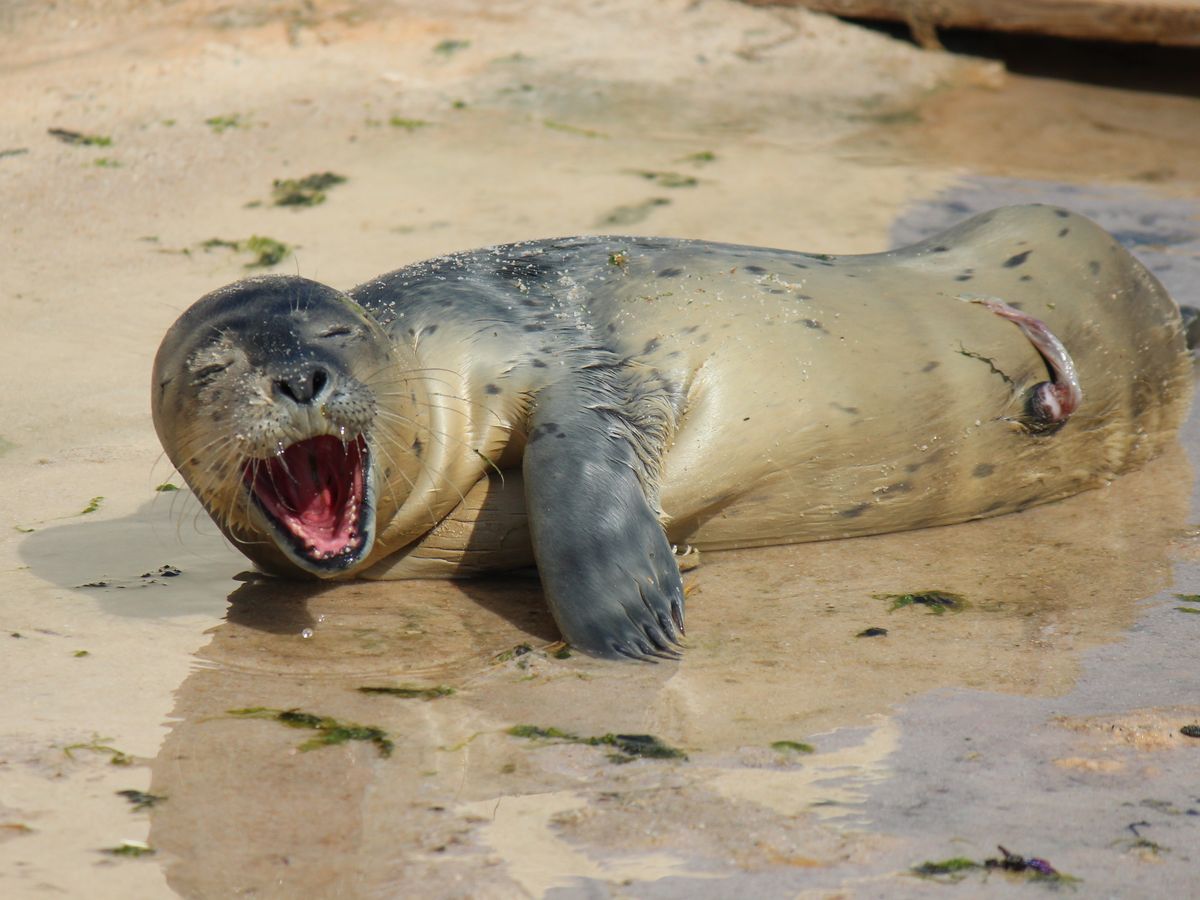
(269, 397)
(585, 403)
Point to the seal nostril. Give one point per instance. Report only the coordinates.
(319, 380)
(303, 387)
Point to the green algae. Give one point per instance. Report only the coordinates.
(307, 191)
(627, 747)
(937, 602)
(329, 730)
(409, 693)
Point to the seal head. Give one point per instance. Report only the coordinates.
(272, 399)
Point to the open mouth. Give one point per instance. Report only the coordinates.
(316, 496)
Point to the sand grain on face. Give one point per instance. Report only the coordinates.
(464, 125)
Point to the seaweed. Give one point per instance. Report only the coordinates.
(13, 151)
(632, 213)
(667, 179)
(699, 159)
(116, 757)
(166, 486)
(167, 571)
(450, 46)
(1195, 610)
(519, 650)
(267, 252)
(221, 124)
(566, 128)
(1188, 598)
(130, 848)
(1032, 867)
(306, 191)
(952, 866)
(329, 730)
(408, 124)
(618, 259)
(410, 693)
(140, 799)
(80, 653)
(628, 747)
(92, 506)
(107, 162)
(534, 731)
(937, 602)
(79, 139)
(792, 747)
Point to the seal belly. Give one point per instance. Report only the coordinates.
(873, 397)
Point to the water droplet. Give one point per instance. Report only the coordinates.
(306, 633)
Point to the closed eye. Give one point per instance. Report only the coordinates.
(337, 331)
(208, 373)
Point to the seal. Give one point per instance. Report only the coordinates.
(589, 402)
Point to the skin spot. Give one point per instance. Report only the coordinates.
(965, 275)
(651, 346)
(1064, 231)
(670, 273)
(900, 487)
(1061, 213)
(544, 429)
(813, 323)
(417, 446)
(691, 329)
(983, 470)
(1026, 278)
(538, 364)
(533, 328)
(492, 389)
(756, 270)
(849, 410)
(776, 291)
(1017, 259)
(930, 366)
(940, 248)
(797, 265)
(218, 417)
(1094, 267)
(611, 328)
(855, 511)
(431, 329)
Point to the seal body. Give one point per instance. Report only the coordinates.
(586, 403)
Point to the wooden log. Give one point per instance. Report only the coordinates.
(1144, 21)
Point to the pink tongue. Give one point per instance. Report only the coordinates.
(314, 489)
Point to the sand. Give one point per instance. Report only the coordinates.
(464, 123)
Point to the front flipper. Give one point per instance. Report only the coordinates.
(609, 574)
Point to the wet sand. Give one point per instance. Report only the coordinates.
(1044, 715)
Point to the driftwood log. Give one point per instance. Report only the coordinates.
(1145, 21)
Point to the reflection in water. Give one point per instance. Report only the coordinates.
(774, 656)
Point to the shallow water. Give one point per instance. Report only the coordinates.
(1043, 715)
